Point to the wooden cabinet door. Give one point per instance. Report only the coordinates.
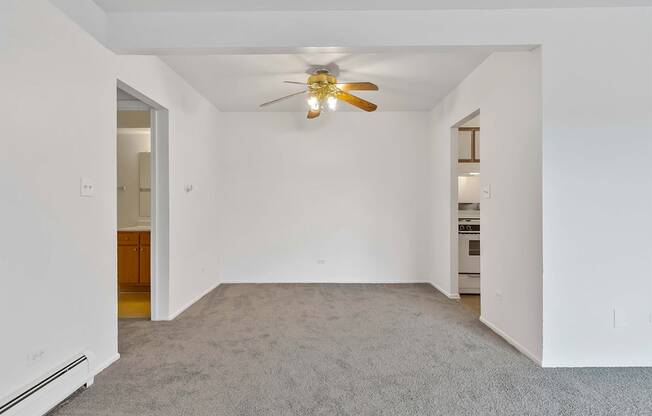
(144, 265)
(464, 146)
(128, 259)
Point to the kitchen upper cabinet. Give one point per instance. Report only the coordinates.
(468, 145)
(464, 143)
(134, 258)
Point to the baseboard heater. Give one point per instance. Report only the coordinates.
(45, 394)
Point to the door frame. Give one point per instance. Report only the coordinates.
(454, 217)
(160, 204)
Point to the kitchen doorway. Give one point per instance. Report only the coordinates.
(142, 172)
(466, 195)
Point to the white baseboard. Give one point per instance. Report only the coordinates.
(444, 292)
(511, 341)
(97, 370)
(192, 302)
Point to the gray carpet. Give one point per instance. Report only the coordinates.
(341, 350)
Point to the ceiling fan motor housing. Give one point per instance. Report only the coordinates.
(322, 84)
(322, 77)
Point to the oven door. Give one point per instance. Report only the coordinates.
(469, 252)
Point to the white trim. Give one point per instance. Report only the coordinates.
(454, 211)
(105, 364)
(172, 316)
(160, 214)
(444, 292)
(511, 341)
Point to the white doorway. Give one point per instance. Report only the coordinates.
(465, 212)
(149, 238)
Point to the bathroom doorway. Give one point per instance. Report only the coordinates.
(142, 206)
(133, 156)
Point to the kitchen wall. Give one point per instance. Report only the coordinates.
(506, 88)
(133, 119)
(58, 250)
(468, 189)
(130, 142)
(339, 199)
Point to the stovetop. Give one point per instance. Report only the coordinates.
(468, 225)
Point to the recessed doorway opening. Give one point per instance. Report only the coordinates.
(134, 207)
(142, 206)
(465, 196)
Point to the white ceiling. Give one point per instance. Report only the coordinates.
(229, 5)
(407, 81)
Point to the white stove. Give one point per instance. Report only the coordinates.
(469, 254)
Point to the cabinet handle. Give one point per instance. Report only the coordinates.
(142, 249)
(135, 249)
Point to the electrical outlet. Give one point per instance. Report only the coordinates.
(35, 355)
(86, 187)
(499, 295)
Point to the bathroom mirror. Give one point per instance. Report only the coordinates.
(145, 183)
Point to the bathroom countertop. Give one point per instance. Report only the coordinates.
(137, 228)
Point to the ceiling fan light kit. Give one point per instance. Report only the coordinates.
(324, 91)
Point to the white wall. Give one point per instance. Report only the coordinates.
(195, 131)
(349, 189)
(506, 89)
(596, 155)
(130, 142)
(58, 251)
(597, 124)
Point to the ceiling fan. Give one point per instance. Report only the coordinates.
(324, 91)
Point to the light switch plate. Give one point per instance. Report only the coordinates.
(86, 187)
(486, 192)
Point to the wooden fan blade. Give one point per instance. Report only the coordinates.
(283, 98)
(295, 82)
(359, 86)
(356, 101)
(313, 113)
